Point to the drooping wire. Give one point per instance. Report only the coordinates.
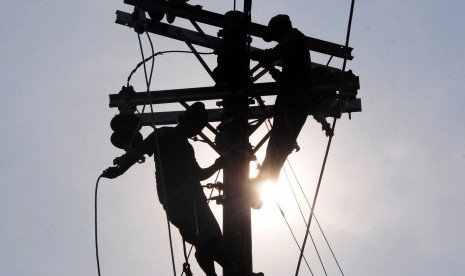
(305, 221)
(306, 199)
(329, 143)
(95, 225)
(316, 220)
(161, 53)
(147, 81)
(149, 101)
(268, 125)
(292, 233)
(98, 180)
(153, 59)
(307, 232)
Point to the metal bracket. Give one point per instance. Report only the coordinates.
(197, 55)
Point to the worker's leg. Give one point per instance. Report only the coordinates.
(287, 125)
(198, 226)
(279, 146)
(210, 235)
(205, 261)
(183, 215)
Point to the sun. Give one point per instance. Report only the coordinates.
(274, 196)
(269, 192)
(274, 193)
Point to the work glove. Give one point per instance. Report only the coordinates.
(117, 160)
(112, 172)
(275, 73)
(326, 127)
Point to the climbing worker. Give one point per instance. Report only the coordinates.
(294, 91)
(178, 177)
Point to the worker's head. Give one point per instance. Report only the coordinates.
(194, 119)
(278, 26)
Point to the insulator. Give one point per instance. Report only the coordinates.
(156, 16)
(122, 139)
(126, 92)
(170, 17)
(126, 128)
(125, 122)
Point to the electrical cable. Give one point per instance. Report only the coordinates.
(149, 101)
(292, 233)
(329, 142)
(268, 123)
(147, 81)
(307, 232)
(305, 222)
(96, 186)
(153, 59)
(161, 53)
(95, 225)
(316, 220)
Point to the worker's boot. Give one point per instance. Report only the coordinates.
(169, 17)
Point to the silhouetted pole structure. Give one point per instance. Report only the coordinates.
(237, 230)
(234, 87)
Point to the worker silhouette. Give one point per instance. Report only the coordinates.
(295, 91)
(178, 177)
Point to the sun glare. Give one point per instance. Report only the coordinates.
(268, 218)
(269, 193)
(273, 193)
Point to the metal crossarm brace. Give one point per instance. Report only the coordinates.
(260, 121)
(255, 112)
(205, 93)
(197, 14)
(170, 31)
(197, 27)
(214, 115)
(188, 94)
(209, 142)
(167, 30)
(197, 55)
(259, 74)
(182, 34)
(262, 141)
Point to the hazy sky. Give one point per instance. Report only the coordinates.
(391, 201)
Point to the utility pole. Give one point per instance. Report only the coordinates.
(237, 226)
(235, 90)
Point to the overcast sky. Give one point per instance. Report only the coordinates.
(391, 201)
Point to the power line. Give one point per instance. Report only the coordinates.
(329, 143)
(307, 232)
(316, 220)
(161, 53)
(305, 222)
(268, 123)
(292, 233)
(95, 225)
(147, 81)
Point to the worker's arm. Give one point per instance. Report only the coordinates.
(325, 126)
(208, 172)
(276, 53)
(132, 156)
